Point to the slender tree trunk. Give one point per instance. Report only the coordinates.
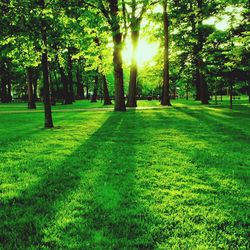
(31, 98)
(35, 79)
(249, 89)
(80, 91)
(4, 93)
(52, 88)
(94, 96)
(66, 94)
(165, 101)
(132, 91)
(87, 91)
(45, 68)
(70, 76)
(231, 94)
(106, 97)
(9, 89)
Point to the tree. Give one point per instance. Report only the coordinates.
(165, 100)
(45, 69)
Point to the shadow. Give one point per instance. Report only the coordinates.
(99, 179)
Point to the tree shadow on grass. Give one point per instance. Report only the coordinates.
(88, 202)
(217, 175)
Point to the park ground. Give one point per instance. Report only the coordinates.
(163, 178)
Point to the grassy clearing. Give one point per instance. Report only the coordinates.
(175, 178)
(86, 104)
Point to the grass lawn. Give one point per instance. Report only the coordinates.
(174, 178)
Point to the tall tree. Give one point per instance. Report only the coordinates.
(138, 8)
(45, 69)
(165, 100)
(111, 11)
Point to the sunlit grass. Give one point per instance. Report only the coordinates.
(175, 178)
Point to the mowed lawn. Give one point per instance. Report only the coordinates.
(174, 178)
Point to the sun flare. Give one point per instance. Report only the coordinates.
(145, 52)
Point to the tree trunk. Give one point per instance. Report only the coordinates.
(249, 89)
(204, 95)
(94, 96)
(31, 98)
(106, 97)
(87, 91)
(231, 94)
(118, 71)
(9, 88)
(35, 75)
(4, 93)
(52, 90)
(132, 92)
(70, 76)
(66, 95)
(45, 68)
(80, 91)
(165, 101)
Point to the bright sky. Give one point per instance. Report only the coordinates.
(145, 52)
(224, 22)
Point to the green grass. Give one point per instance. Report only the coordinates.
(86, 104)
(174, 178)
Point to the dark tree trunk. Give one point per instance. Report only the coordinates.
(132, 91)
(35, 75)
(45, 69)
(52, 87)
(231, 93)
(249, 89)
(87, 91)
(95, 90)
(80, 90)
(66, 95)
(4, 92)
(197, 82)
(9, 88)
(31, 97)
(165, 101)
(106, 97)
(117, 56)
(204, 95)
(70, 76)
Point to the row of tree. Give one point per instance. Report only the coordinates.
(69, 41)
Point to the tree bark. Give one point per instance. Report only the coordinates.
(45, 69)
(117, 56)
(249, 88)
(31, 97)
(204, 95)
(4, 93)
(201, 86)
(165, 101)
(35, 75)
(9, 88)
(106, 97)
